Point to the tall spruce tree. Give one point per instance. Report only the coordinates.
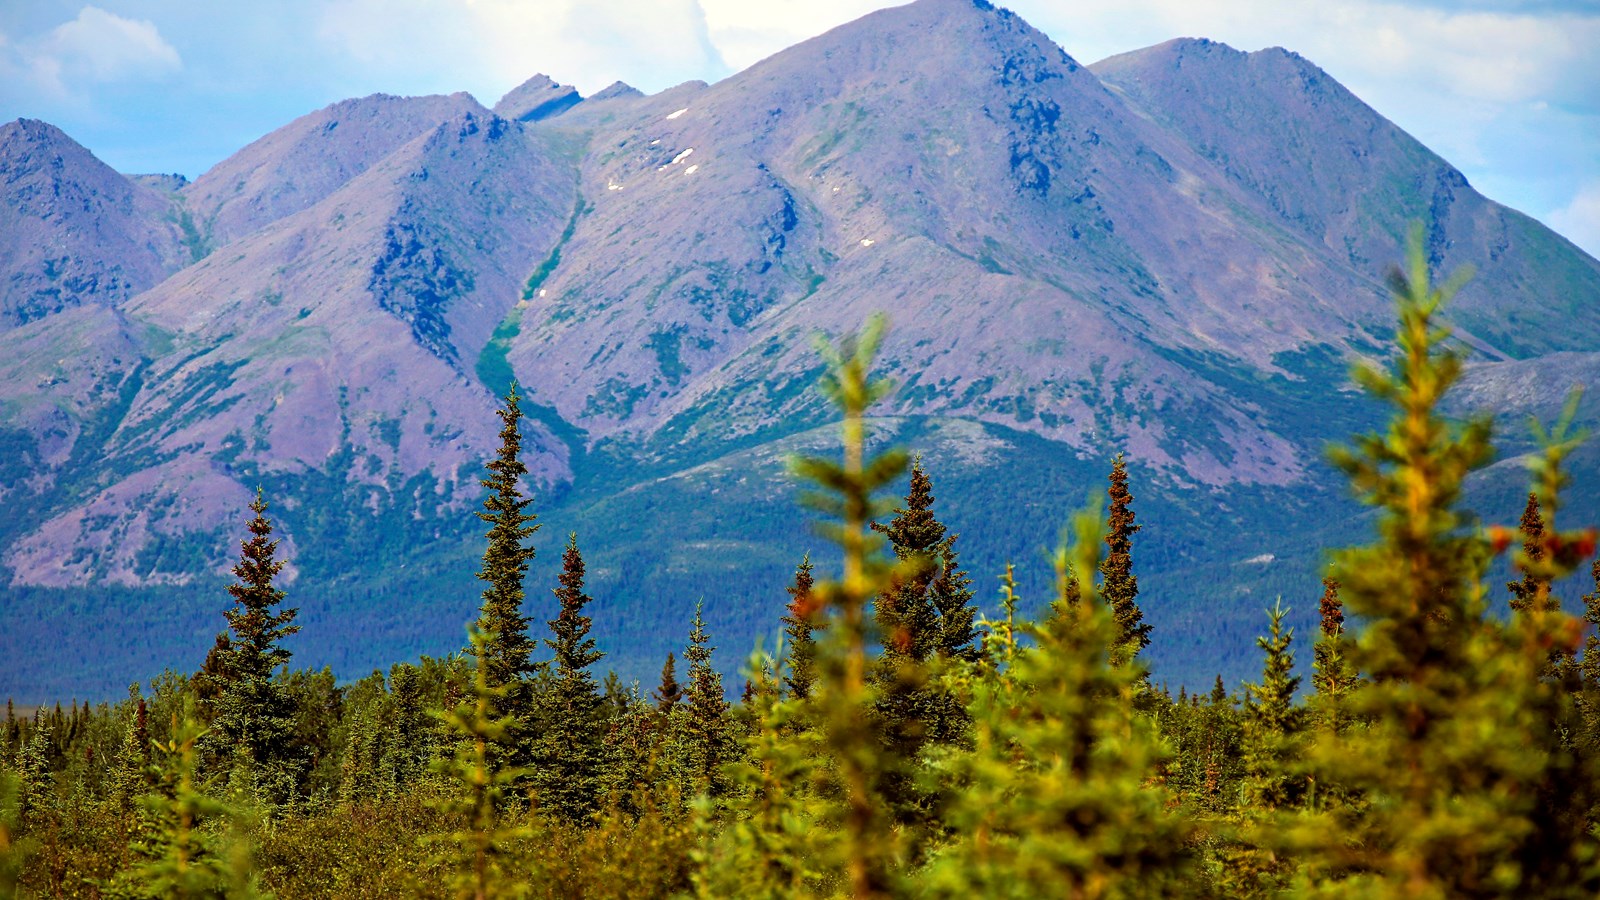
(1258, 862)
(1530, 588)
(132, 777)
(952, 597)
(571, 748)
(1273, 723)
(1118, 584)
(504, 654)
(253, 722)
(798, 631)
(1054, 799)
(925, 616)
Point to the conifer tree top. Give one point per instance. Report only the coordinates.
(574, 649)
(1525, 591)
(254, 650)
(915, 531)
(1119, 585)
(1332, 608)
(507, 648)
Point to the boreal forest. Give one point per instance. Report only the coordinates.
(902, 734)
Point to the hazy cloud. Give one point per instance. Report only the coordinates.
(747, 33)
(1579, 220)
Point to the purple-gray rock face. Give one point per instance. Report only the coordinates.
(1166, 253)
(537, 98)
(303, 162)
(1350, 182)
(75, 231)
(336, 331)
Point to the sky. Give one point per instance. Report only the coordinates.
(1506, 90)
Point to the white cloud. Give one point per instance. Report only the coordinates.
(490, 46)
(97, 47)
(1579, 220)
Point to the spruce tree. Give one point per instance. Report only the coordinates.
(132, 778)
(925, 619)
(1119, 585)
(798, 632)
(1331, 676)
(862, 836)
(11, 737)
(181, 851)
(629, 779)
(952, 597)
(1273, 723)
(505, 651)
(1054, 798)
(1461, 745)
(1530, 588)
(670, 692)
(1258, 861)
(571, 753)
(705, 737)
(254, 714)
(906, 618)
(411, 737)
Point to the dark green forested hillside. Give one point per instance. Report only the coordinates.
(1434, 732)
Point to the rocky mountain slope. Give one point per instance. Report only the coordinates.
(1175, 252)
(76, 232)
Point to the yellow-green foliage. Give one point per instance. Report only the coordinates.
(1054, 798)
(858, 831)
(473, 859)
(1469, 790)
(763, 842)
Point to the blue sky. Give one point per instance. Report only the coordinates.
(1507, 90)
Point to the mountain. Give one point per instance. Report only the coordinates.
(1342, 176)
(303, 162)
(537, 98)
(336, 332)
(1175, 253)
(76, 231)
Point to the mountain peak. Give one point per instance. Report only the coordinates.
(617, 90)
(308, 159)
(540, 97)
(24, 139)
(77, 231)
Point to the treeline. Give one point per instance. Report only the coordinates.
(894, 742)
